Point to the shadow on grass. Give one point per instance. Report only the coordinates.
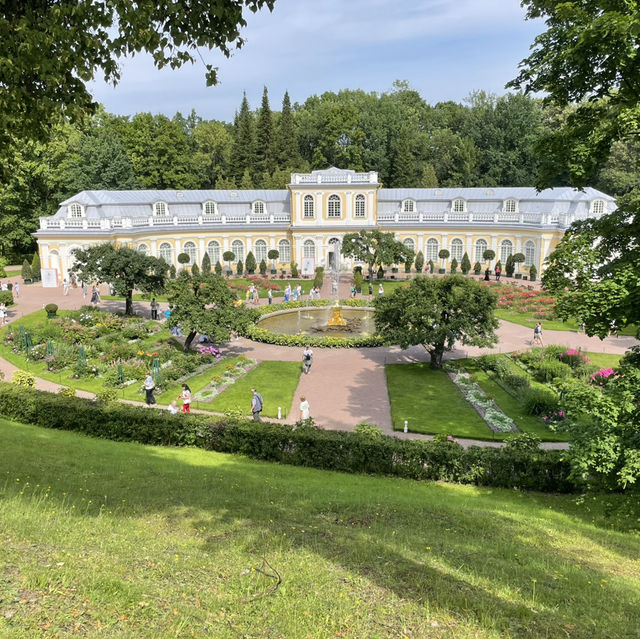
(473, 552)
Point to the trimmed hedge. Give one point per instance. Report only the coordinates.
(541, 470)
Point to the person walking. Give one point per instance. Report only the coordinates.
(16, 289)
(270, 296)
(3, 314)
(149, 386)
(185, 396)
(537, 335)
(486, 275)
(154, 309)
(65, 286)
(370, 289)
(256, 405)
(84, 292)
(498, 272)
(95, 295)
(307, 359)
(304, 408)
(380, 290)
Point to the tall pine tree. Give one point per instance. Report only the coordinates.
(243, 155)
(288, 153)
(265, 156)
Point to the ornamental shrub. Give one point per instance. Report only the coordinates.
(419, 263)
(454, 265)
(23, 379)
(538, 400)
(6, 298)
(36, 268)
(206, 264)
(465, 265)
(380, 273)
(548, 371)
(195, 270)
(294, 270)
(575, 358)
(26, 272)
(432, 266)
(477, 268)
(239, 267)
(218, 268)
(251, 263)
(516, 382)
(263, 267)
(509, 266)
(533, 272)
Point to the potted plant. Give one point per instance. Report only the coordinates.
(419, 264)
(394, 268)
(477, 268)
(184, 259)
(218, 268)
(239, 267)
(380, 273)
(251, 263)
(263, 267)
(444, 256)
(36, 267)
(51, 310)
(407, 265)
(294, 270)
(510, 266)
(26, 273)
(228, 257)
(533, 271)
(432, 267)
(465, 265)
(518, 258)
(487, 256)
(273, 255)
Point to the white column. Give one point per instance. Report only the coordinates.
(348, 205)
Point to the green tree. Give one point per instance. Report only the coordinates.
(265, 142)
(444, 254)
(437, 313)
(509, 266)
(228, 257)
(375, 248)
(454, 265)
(26, 272)
(419, 262)
(218, 267)
(465, 265)
(273, 255)
(204, 304)
(239, 267)
(123, 267)
(251, 263)
(35, 266)
(263, 267)
(212, 153)
(56, 48)
(206, 264)
(488, 255)
(243, 154)
(286, 143)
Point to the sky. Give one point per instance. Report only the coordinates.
(445, 49)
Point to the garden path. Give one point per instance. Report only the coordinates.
(344, 387)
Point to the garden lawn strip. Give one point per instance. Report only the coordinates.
(510, 405)
(431, 403)
(603, 360)
(276, 382)
(123, 540)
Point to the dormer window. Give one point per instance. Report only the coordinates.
(597, 207)
(259, 208)
(160, 209)
(76, 210)
(210, 209)
(408, 206)
(510, 206)
(459, 205)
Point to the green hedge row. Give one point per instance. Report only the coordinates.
(329, 450)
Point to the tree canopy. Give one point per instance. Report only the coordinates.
(122, 267)
(437, 313)
(51, 50)
(205, 304)
(375, 248)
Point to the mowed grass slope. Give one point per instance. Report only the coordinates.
(113, 540)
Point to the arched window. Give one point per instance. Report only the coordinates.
(309, 249)
(334, 208)
(308, 206)
(76, 210)
(510, 206)
(410, 244)
(210, 208)
(431, 252)
(190, 249)
(457, 249)
(143, 248)
(360, 210)
(481, 247)
(284, 248)
(597, 207)
(237, 247)
(408, 206)
(160, 209)
(166, 252)
(506, 249)
(213, 249)
(529, 253)
(259, 208)
(459, 205)
(260, 251)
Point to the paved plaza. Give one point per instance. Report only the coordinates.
(345, 386)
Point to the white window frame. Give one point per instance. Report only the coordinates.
(427, 249)
(168, 257)
(160, 209)
(142, 249)
(284, 248)
(510, 205)
(334, 206)
(529, 253)
(459, 250)
(408, 206)
(259, 207)
(234, 249)
(459, 205)
(213, 250)
(597, 207)
(308, 207)
(309, 249)
(409, 243)
(360, 206)
(210, 208)
(191, 249)
(260, 251)
(75, 211)
(480, 242)
(506, 249)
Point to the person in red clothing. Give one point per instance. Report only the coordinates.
(185, 396)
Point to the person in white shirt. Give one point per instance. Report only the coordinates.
(307, 359)
(304, 408)
(173, 407)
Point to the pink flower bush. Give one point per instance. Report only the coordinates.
(601, 377)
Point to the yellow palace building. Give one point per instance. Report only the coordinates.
(306, 221)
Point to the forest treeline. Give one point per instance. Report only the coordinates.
(488, 140)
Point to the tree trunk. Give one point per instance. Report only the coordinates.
(128, 304)
(187, 342)
(371, 274)
(436, 357)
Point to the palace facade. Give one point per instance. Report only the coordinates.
(307, 221)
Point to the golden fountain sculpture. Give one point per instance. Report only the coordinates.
(336, 318)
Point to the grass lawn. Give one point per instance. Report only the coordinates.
(604, 360)
(431, 403)
(276, 382)
(113, 540)
(281, 284)
(13, 272)
(509, 405)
